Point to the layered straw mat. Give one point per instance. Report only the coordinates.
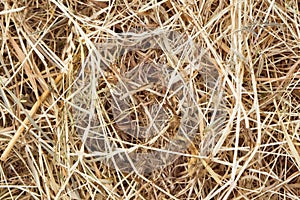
(172, 99)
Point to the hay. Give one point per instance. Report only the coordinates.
(89, 139)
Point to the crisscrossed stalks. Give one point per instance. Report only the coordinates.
(249, 48)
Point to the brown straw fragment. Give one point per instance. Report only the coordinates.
(26, 121)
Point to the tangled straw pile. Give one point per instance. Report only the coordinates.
(253, 45)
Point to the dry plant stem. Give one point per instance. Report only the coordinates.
(213, 174)
(26, 121)
(284, 82)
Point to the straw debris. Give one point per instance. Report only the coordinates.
(240, 111)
